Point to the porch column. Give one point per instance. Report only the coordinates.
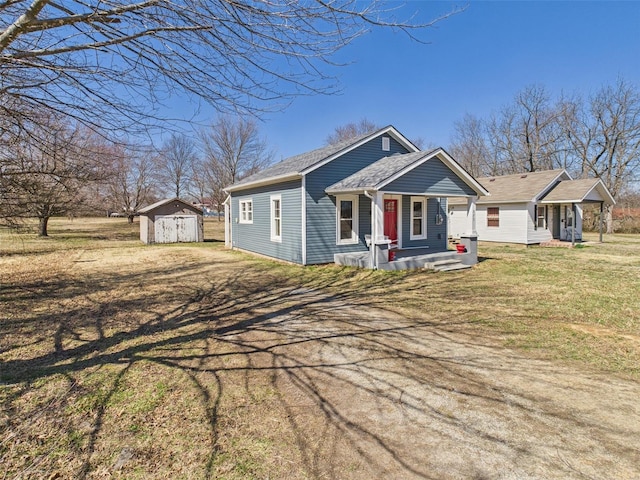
(377, 217)
(574, 223)
(379, 246)
(601, 219)
(470, 239)
(471, 216)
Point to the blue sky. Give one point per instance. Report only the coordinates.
(476, 62)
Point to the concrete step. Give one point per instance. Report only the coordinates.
(446, 265)
(450, 261)
(451, 268)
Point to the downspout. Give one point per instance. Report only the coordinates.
(372, 246)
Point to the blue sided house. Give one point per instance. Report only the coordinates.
(375, 201)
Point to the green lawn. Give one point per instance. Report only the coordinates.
(103, 340)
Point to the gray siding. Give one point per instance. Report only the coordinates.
(436, 234)
(321, 208)
(432, 177)
(256, 237)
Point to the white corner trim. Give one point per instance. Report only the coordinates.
(303, 220)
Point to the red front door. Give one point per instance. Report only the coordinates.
(391, 219)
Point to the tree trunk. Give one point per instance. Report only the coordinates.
(42, 227)
(609, 218)
(130, 218)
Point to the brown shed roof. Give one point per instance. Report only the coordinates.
(153, 206)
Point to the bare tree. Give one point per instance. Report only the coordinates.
(46, 178)
(470, 146)
(351, 130)
(130, 183)
(604, 135)
(174, 165)
(110, 63)
(233, 149)
(525, 135)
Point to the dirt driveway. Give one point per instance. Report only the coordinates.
(225, 368)
(391, 397)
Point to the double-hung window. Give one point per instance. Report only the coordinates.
(418, 218)
(541, 216)
(246, 211)
(347, 219)
(493, 216)
(276, 218)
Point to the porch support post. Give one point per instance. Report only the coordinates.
(601, 219)
(378, 244)
(471, 216)
(573, 221)
(470, 239)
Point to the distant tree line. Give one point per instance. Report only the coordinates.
(590, 136)
(56, 167)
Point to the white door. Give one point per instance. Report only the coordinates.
(176, 228)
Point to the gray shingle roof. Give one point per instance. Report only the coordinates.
(373, 175)
(298, 163)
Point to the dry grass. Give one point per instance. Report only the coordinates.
(119, 360)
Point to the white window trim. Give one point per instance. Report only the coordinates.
(386, 144)
(274, 237)
(354, 211)
(543, 217)
(243, 218)
(422, 236)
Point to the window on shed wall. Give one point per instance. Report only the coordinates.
(276, 218)
(493, 216)
(418, 215)
(347, 219)
(246, 211)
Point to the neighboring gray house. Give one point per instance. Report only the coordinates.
(349, 203)
(531, 208)
(171, 221)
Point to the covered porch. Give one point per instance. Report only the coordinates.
(407, 195)
(562, 213)
(413, 259)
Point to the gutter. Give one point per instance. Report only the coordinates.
(260, 183)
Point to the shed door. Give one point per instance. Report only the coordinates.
(176, 228)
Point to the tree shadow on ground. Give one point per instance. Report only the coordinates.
(358, 391)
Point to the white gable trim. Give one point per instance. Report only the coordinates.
(449, 162)
(390, 130)
(551, 184)
(599, 186)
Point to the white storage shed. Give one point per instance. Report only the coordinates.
(171, 221)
